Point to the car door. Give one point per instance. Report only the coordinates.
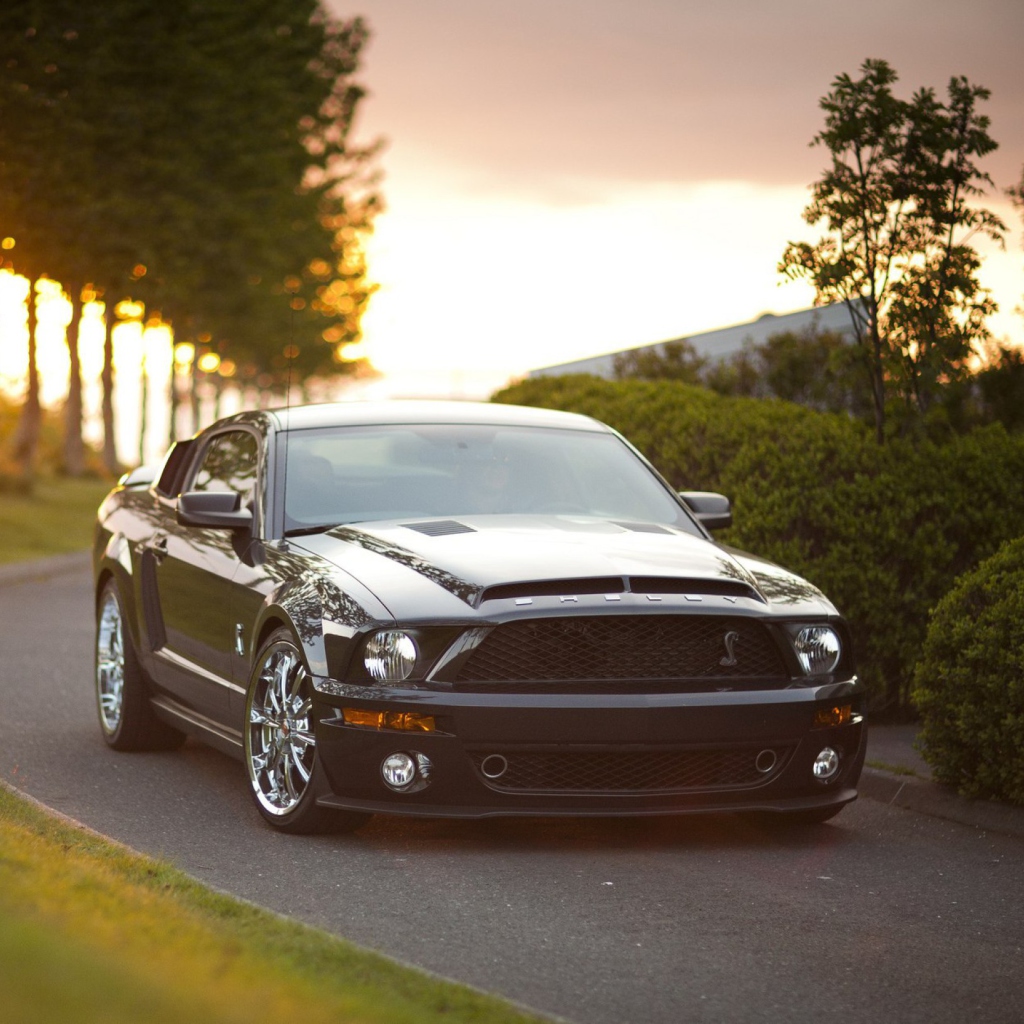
(192, 572)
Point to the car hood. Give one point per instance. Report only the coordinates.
(446, 567)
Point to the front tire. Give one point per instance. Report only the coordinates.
(285, 774)
(127, 719)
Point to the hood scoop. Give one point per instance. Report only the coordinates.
(693, 588)
(642, 527)
(439, 528)
(679, 585)
(555, 588)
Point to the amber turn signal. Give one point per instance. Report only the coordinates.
(829, 718)
(405, 721)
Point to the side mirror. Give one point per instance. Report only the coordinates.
(141, 476)
(213, 508)
(712, 510)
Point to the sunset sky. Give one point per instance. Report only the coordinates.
(570, 177)
(566, 177)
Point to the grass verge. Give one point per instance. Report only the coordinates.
(893, 769)
(56, 518)
(90, 931)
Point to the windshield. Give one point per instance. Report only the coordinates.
(356, 474)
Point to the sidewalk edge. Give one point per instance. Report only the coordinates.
(914, 794)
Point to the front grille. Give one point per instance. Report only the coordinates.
(625, 647)
(632, 772)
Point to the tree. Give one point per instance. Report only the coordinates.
(192, 155)
(674, 360)
(1016, 194)
(818, 369)
(895, 205)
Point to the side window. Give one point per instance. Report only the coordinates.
(229, 464)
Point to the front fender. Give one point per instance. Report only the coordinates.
(319, 613)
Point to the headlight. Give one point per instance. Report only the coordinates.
(818, 649)
(390, 656)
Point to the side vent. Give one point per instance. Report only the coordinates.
(151, 611)
(439, 528)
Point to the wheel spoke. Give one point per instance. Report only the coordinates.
(258, 716)
(300, 767)
(306, 739)
(110, 663)
(280, 737)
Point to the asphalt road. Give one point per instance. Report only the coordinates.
(883, 915)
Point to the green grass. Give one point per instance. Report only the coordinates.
(56, 518)
(90, 931)
(893, 769)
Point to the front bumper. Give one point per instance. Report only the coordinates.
(672, 749)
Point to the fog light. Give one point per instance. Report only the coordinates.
(399, 771)
(826, 765)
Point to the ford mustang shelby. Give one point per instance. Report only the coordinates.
(463, 610)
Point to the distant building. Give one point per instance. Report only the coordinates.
(718, 345)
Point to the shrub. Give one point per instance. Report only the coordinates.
(969, 685)
(883, 531)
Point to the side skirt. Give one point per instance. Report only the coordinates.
(227, 741)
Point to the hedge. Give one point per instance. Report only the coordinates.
(969, 685)
(884, 531)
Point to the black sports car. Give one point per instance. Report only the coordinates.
(463, 610)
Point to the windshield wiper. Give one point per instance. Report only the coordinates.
(303, 531)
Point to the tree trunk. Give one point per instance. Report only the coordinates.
(26, 438)
(194, 385)
(173, 429)
(109, 442)
(74, 447)
(143, 406)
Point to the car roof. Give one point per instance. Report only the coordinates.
(400, 411)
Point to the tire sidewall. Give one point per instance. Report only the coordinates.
(305, 816)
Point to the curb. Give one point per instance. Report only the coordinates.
(527, 1011)
(44, 568)
(914, 794)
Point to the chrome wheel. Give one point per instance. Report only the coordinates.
(280, 745)
(110, 665)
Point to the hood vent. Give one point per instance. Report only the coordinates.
(555, 588)
(677, 585)
(642, 527)
(439, 528)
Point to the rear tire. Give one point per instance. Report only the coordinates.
(127, 719)
(281, 756)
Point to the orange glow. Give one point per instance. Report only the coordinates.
(184, 353)
(350, 351)
(405, 721)
(7, 243)
(209, 362)
(829, 718)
